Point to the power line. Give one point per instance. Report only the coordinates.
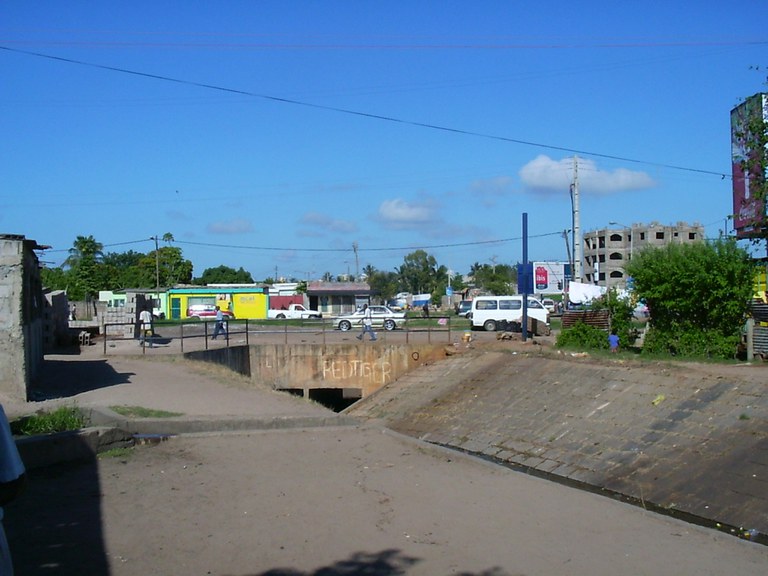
(336, 250)
(104, 245)
(366, 114)
(385, 249)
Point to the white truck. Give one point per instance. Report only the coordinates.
(294, 312)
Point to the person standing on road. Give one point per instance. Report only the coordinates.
(219, 328)
(145, 321)
(367, 324)
(13, 480)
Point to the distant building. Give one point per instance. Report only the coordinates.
(336, 298)
(608, 250)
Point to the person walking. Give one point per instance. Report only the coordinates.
(13, 480)
(145, 325)
(219, 328)
(367, 324)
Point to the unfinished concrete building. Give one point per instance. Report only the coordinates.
(608, 250)
(21, 315)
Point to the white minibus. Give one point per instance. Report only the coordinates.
(505, 312)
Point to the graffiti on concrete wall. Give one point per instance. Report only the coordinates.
(343, 369)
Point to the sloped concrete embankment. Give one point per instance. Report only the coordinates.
(671, 437)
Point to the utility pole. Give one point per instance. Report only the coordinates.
(157, 265)
(357, 261)
(568, 251)
(576, 222)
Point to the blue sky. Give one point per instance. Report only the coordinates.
(275, 135)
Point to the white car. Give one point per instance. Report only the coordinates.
(382, 317)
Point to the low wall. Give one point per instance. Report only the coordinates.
(310, 366)
(367, 367)
(236, 358)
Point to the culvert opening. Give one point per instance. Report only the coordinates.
(336, 399)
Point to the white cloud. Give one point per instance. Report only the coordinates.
(400, 214)
(236, 226)
(548, 176)
(318, 220)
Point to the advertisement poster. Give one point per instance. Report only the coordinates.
(749, 209)
(549, 277)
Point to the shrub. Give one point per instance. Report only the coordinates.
(582, 335)
(691, 342)
(60, 420)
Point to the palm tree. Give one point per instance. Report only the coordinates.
(84, 261)
(85, 249)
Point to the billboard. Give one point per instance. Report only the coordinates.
(549, 277)
(749, 208)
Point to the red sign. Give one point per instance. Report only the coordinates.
(542, 278)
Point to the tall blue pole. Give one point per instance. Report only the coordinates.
(525, 267)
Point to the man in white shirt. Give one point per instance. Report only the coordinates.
(145, 321)
(367, 324)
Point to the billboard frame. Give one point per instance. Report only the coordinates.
(750, 211)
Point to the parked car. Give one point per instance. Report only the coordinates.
(382, 316)
(549, 304)
(206, 311)
(463, 308)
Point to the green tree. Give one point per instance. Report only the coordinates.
(499, 279)
(369, 271)
(224, 275)
(55, 278)
(84, 260)
(122, 270)
(170, 263)
(698, 296)
(420, 273)
(385, 284)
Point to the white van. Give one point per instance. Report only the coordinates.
(506, 312)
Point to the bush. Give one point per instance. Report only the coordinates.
(582, 336)
(698, 295)
(691, 342)
(60, 420)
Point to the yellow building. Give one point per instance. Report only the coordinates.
(249, 301)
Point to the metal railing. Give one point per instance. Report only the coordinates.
(197, 335)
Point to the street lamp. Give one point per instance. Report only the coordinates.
(631, 236)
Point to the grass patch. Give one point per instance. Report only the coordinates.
(60, 420)
(140, 412)
(116, 453)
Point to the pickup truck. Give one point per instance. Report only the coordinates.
(294, 312)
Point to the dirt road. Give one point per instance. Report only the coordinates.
(324, 501)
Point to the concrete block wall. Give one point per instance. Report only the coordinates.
(21, 315)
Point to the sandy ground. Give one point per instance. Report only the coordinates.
(322, 501)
